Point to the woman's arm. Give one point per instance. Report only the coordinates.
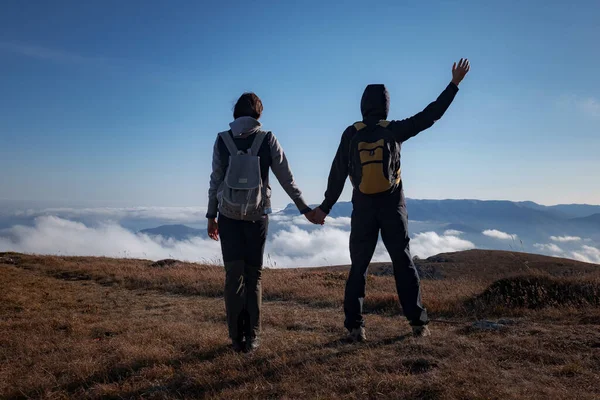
(283, 173)
(216, 179)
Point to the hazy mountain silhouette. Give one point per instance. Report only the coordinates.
(461, 228)
(177, 232)
(480, 214)
(565, 210)
(593, 219)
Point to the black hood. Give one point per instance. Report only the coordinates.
(375, 102)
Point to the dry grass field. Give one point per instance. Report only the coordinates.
(82, 327)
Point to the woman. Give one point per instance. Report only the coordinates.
(241, 198)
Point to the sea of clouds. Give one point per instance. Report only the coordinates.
(99, 232)
(292, 242)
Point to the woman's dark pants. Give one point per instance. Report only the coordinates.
(243, 245)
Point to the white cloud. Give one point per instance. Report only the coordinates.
(565, 238)
(295, 246)
(54, 235)
(494, 233)
(173, 214)
(426, 244)
(591, 106)
(587, 254)
(292, 246)
(550, 248)
(155, 72)
(280, 218)
(300, 220)
(452, 232)
(588, 105)
(294, 242)
(583, 253)
(339, 221)
(46, 54)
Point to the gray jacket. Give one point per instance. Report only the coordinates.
(271, 157)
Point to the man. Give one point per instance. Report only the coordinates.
(369, 153)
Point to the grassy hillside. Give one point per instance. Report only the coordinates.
(80, 327)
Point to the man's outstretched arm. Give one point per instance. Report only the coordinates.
(337, 178)
(410, 127)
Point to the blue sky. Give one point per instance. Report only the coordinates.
(119, 103)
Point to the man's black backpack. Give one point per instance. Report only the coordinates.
(374, 159)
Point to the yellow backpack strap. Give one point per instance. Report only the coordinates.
(359, 126)
(383, 123)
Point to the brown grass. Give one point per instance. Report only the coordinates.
(77, 327)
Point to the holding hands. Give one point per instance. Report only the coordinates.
(316, 216)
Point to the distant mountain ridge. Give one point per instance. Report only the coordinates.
(480, 214)
(593, 219)
(177, 232)
(568, 210)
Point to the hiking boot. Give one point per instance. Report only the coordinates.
(421, 331)
(357, 335)
(252, 344)
(238, 346)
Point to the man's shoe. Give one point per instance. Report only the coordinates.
(421, 331)
(252, 344)
(357, 335)
(238, 346)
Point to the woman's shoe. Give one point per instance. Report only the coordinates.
(421, 331)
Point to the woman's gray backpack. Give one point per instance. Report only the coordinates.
(241, 195)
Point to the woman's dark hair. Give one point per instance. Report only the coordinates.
(248, 105)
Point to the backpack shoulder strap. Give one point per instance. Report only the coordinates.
(258, 141)
(229, 143)
(360, 125)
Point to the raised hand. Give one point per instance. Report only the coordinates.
(460, 71)
(213, 229)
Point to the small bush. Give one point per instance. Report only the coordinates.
(536, 292)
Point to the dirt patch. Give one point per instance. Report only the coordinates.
(72, 276)
(9, 260)
(166, 263)
(419, 365)
(590, 320)
(102, 334)
(440, 258)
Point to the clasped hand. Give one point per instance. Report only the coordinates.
(316, 216)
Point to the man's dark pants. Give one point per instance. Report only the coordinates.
(243, 245)
(369, 217)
